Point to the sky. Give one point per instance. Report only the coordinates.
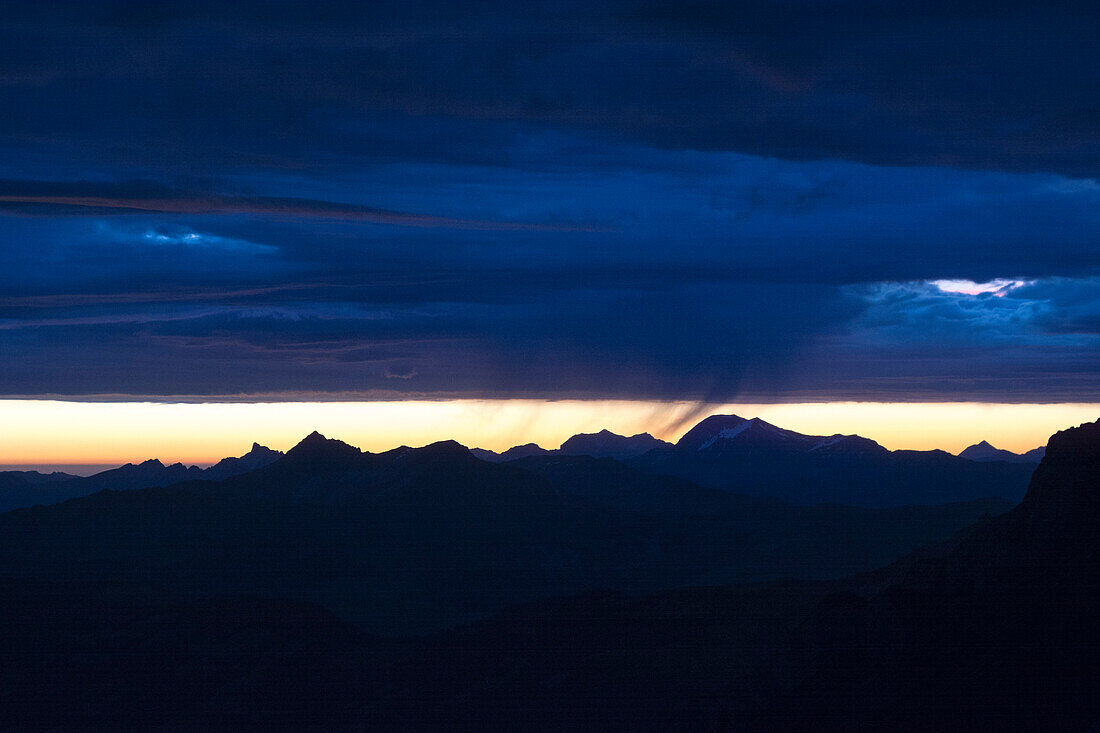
(702, 202)
(201, 433)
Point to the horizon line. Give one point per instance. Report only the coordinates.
(56, 433)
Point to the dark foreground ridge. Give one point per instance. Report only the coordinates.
(995, 629)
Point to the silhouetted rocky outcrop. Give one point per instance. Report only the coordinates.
(258, 457)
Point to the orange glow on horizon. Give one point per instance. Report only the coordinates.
(47, 432)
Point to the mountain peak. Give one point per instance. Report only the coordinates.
(708, 429)
(258, 457)
(262, 451)
(753, 431)
(608, 444)
(444, 448)
(983, 451)
(316, 446)
(523, 451)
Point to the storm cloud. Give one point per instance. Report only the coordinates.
(702, 200)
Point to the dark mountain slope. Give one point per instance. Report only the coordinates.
(82, 656)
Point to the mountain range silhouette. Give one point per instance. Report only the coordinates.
(28, 488)
(747, 456)
(418, 538)
(553, 591)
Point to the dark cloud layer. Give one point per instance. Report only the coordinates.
(694, 200)
(1008, 86)
(82, 198)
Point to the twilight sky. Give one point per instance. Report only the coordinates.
(766, 202)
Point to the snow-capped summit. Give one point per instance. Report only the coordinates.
(730, 431)
(707, 430)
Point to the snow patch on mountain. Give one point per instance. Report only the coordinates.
(729, 433)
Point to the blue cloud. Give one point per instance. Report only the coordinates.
(598, 199)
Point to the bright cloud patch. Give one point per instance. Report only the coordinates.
(191, 238)
(998, 287)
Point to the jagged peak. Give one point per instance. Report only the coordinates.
(984, 448)
(260, 450)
